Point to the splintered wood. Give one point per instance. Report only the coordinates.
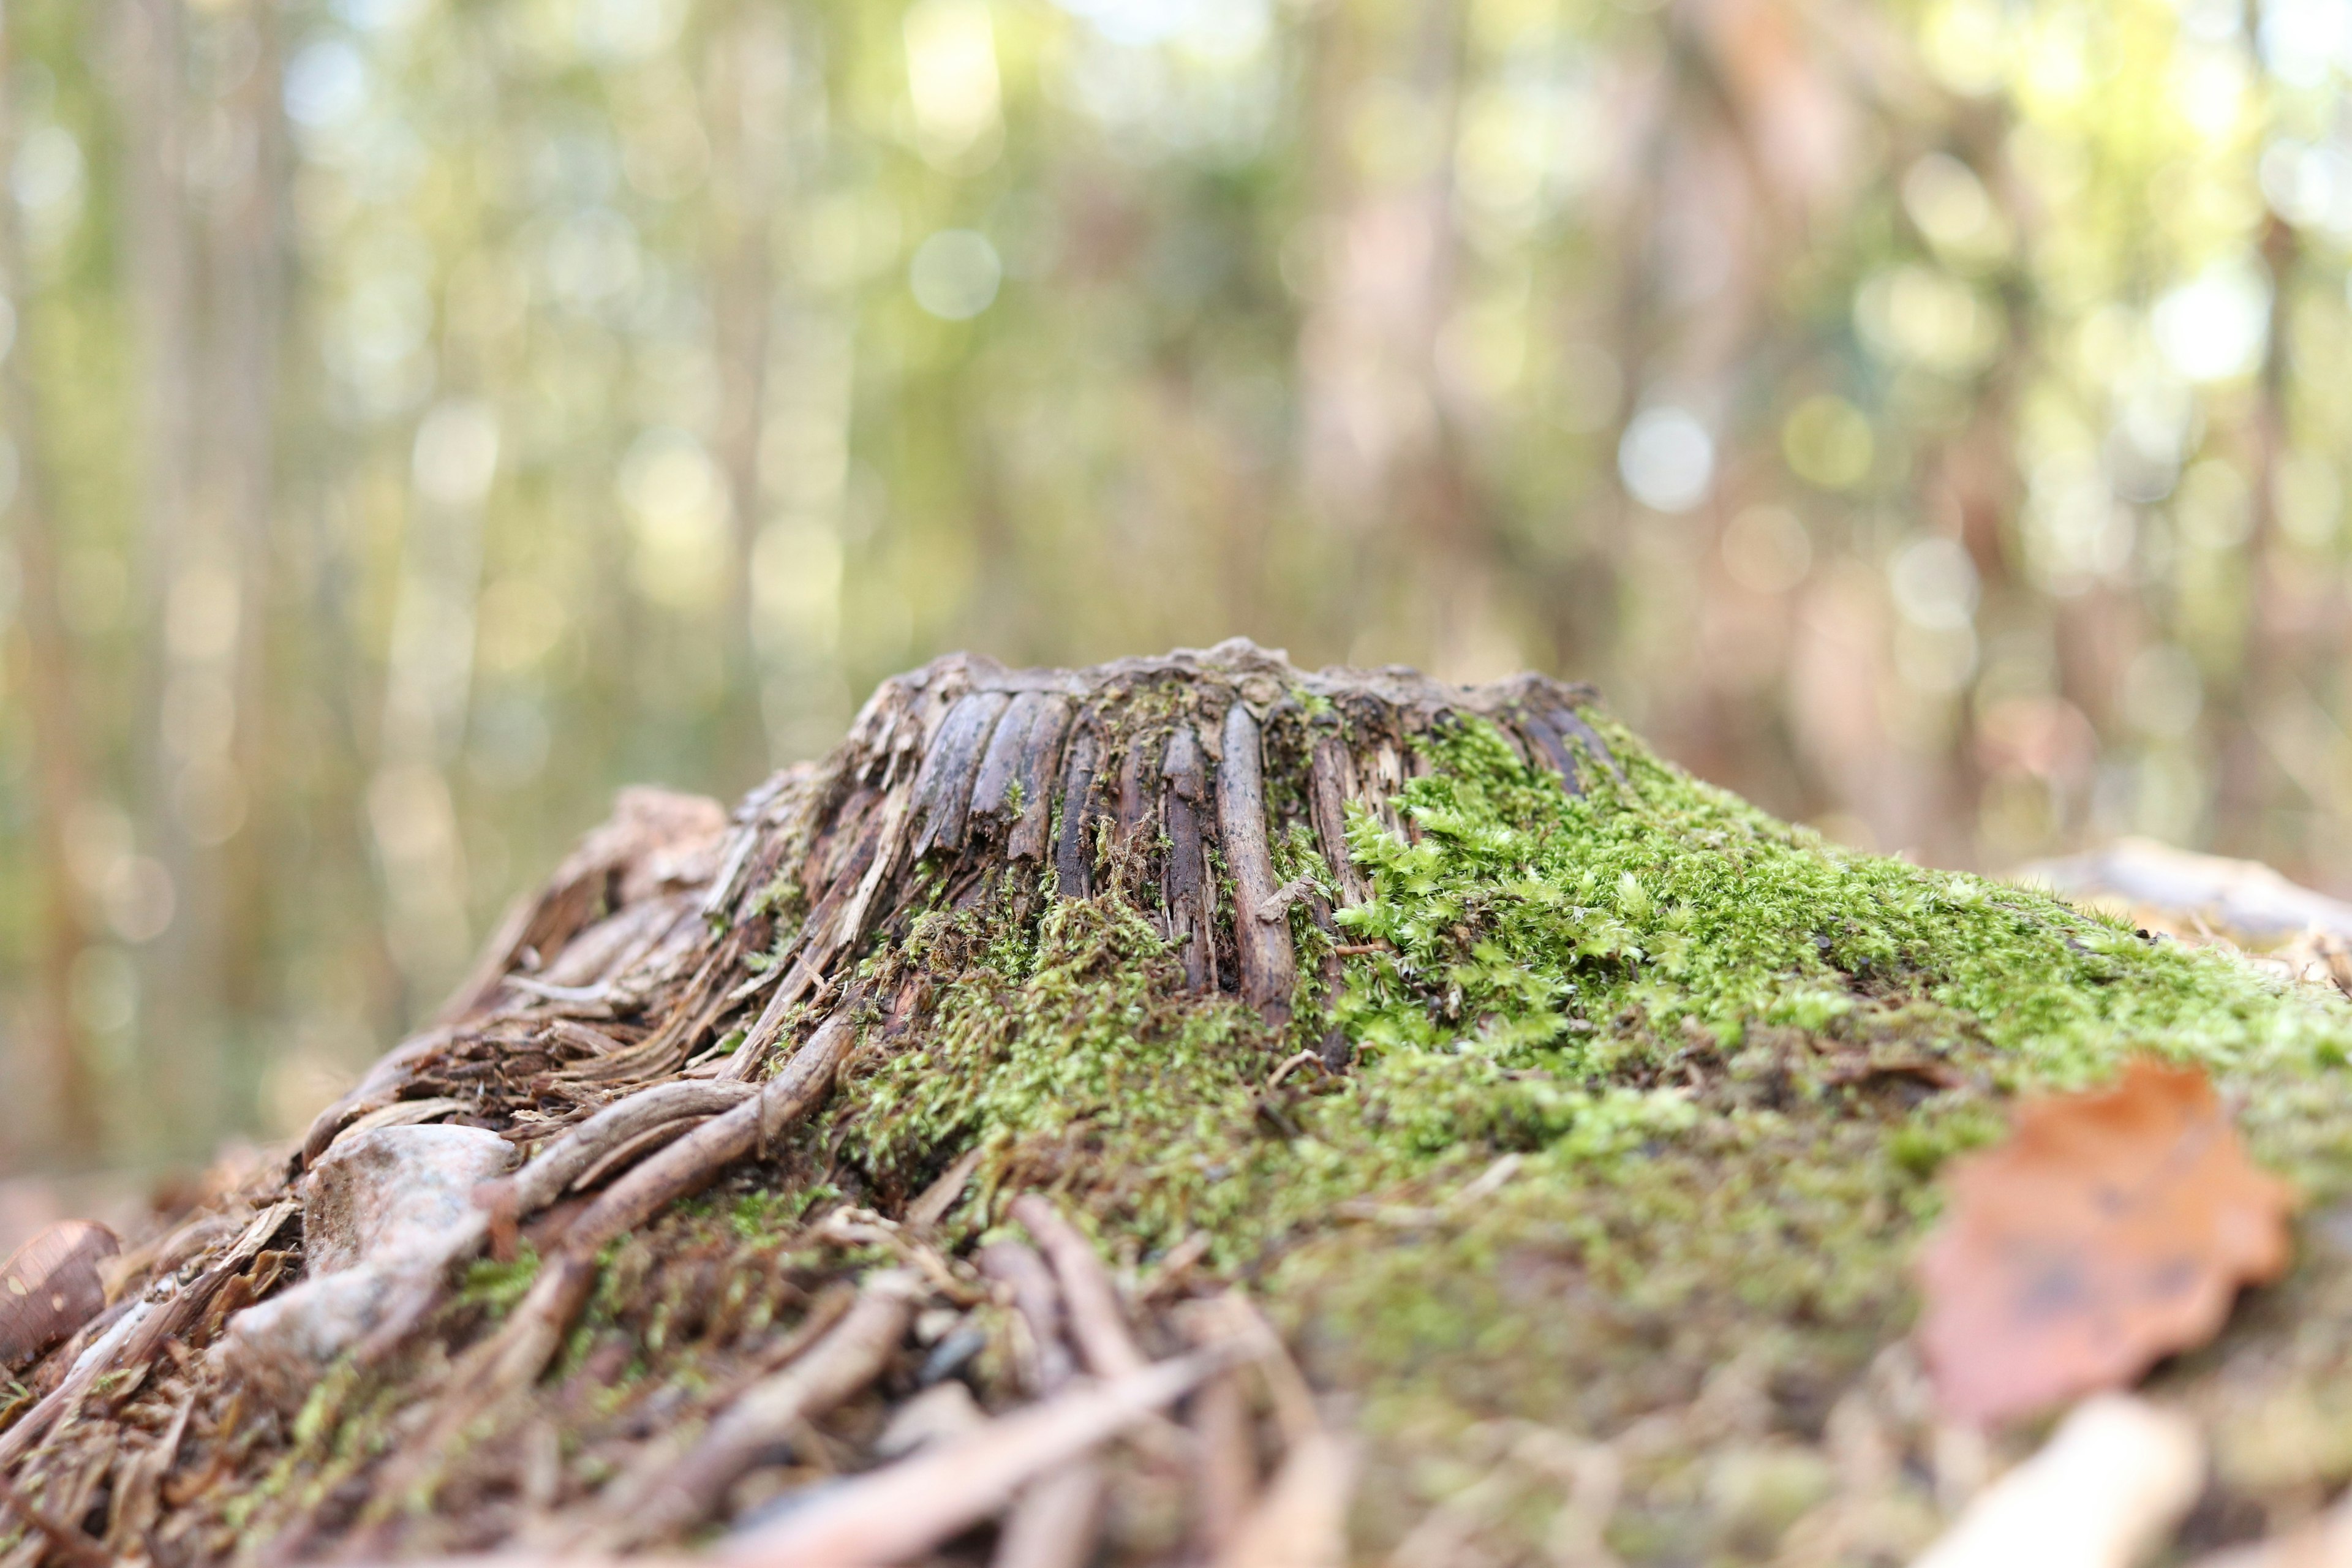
(688, 990)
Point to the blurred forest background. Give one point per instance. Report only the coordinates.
(423, 416)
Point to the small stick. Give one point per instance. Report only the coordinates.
(1097, 1322)
(562, 1162)
(1056, 1523)
(651, 1503)
(1039, 1302)
(688, 1165)
(1291, 1064)
(1225, 1464)
(941, 1197)
(1303, 1522)
(1269, 964)
(910, 1508)
(69, 1540)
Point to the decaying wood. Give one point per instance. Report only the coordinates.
(685, 992)
(1268, 963)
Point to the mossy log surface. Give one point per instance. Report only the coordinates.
(1573, 1121)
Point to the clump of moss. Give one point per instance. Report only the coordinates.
(1725, 1057)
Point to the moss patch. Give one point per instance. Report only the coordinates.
(1727, 1057)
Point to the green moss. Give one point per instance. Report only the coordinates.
(1730, 1058)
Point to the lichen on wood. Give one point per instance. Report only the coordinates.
(1573, 1121)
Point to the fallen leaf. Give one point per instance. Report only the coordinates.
(50, 1287)
(2110, 1230)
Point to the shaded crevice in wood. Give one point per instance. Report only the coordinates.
(1136, 809)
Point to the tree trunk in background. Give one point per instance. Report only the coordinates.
(247, 245)
(76, 1129)
(743, 66)
(185, 587)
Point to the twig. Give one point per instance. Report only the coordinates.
(912, 1507)
(562, 1162)
(941, 1197)
(1303, 1521)
(1055, 1523)
(1038, 1301)
(1291, 1064)
(688, 1165)
(1225, 1464)
(1097, 1322)
(652, 1502)
(68, 1538)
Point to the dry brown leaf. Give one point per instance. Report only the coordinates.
(2110, 1230)
(50, 1287)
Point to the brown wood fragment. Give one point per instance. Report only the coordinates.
(1056, 1522)
(650, 1506)
(1097, 1321)
(688, 1165)
(1544, 740)
(1000, 765)
(1572, 725)
(1041, 756)
(1268, 963)
(1038, 1300)
(1073, 851)
(910, 1508)
(1225, 1464)
(1330, 782)
(51, 1286)
(943, 786)
(1191, 898)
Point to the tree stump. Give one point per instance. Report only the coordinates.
(1189, 1110)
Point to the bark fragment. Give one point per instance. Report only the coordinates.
(1268, 963)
